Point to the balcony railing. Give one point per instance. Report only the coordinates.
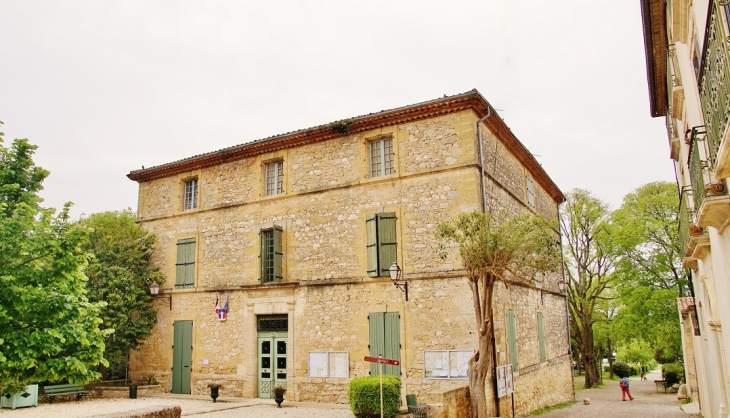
(686, 218)
(673, 78)
(697, 165)
(714, 78)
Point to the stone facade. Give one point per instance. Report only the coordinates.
(326, 291)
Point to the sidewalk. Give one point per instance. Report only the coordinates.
(606, 401)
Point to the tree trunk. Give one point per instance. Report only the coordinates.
(589, 358)
(479, 370)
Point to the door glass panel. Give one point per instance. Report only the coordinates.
(266, 347)
(281, 347)
(281, 362)
(281, 376)
(266, 375)
(265, 362)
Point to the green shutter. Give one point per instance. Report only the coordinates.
(386, 242)
(392, 342)
(541, 337)
(372, 245)
(377, 339)
(185, 263)
(180, 264)
(190, 263)
(278, 253)
(511, 339)
(262, 240)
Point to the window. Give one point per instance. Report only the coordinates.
(270, 255)
(541, 337)
(381, 157)
(185, 264)
(190, 196)
(530, 186)
(381, 243)
(329, 364)
(275, 178)
(385, 340)
(511, 339)
(446, 364)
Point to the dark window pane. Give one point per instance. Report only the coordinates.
(281, 347)
(281, 376)
(281, 362)
(266, 347)
(266, 375)
(265, 362)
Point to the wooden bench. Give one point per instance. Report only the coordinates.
(59, 390)
(661, 383)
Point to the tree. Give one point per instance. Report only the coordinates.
(120, 274)
(49, 331)
(649, 271)
(589, 259)
(507, 248)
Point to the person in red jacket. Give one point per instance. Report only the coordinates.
(625, 388)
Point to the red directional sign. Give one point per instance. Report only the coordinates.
(382, 360)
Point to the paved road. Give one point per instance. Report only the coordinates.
(606, 402)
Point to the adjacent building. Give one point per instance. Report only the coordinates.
(689, 84)
(278, 251)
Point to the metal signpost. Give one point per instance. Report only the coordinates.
(380, 362)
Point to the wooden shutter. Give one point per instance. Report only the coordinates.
(278, 253)
(185, 263)
(392, 342)
(262, 255)
(372, 245)
(541, 337)
(511, 339)
(386, 242)
(377, 339)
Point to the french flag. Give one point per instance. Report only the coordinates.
(222, 312)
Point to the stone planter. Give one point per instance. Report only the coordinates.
(278, 398)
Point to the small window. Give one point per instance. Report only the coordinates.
(271, 255)
(381, 157)
(329, 364)
(275, 178)
(190, 196)
(446, 364)
(185, 264)
(530, 186)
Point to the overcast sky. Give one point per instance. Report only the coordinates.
(104, 87)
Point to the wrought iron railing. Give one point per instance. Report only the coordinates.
(674, 79)
(686, 218)
(697, 165)
(714, 78)
(671, 130)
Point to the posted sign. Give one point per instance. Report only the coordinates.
(505, 384)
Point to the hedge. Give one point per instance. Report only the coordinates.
(364, 396)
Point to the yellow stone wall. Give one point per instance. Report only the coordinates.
(326, 291)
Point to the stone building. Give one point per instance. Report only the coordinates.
(296, 234)
(688, 74)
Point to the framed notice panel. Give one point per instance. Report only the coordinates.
(446, 364)
(329, 364)
(505, 384)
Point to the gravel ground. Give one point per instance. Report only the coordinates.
(606, 402)
(190, 408)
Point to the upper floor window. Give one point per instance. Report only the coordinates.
(271, 255)
(185, 263)
(190, 196)
(530, 186)
(274, 178)
(381, 243)
(381, 157)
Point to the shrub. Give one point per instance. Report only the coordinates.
(621, 369)
(672, 373)
(364, 396)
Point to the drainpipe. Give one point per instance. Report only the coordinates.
(481, 159)
(484, 210)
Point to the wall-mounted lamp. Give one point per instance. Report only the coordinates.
(561, 285)
(395, 274)
(155, 290)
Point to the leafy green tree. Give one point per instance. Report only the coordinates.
(505, 247)
(589, 260)
(49, 331)
(649, 272)
(120, 274)
(635, 351)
